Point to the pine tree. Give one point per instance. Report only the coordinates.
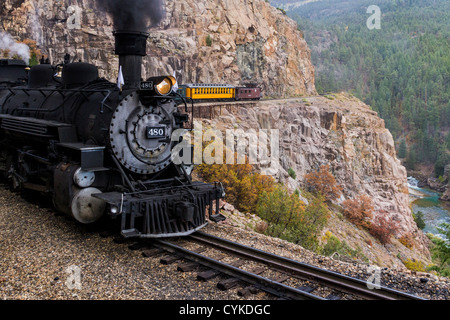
(402, 150)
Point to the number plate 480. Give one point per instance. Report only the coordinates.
(156, 132)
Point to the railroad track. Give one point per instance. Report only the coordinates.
(296, 272)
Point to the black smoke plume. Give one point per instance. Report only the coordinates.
(134, 15)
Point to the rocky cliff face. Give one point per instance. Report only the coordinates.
(346, 134)
(208, 41)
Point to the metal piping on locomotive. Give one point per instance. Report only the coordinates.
(96, 149)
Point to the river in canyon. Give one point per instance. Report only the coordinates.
(435, 211)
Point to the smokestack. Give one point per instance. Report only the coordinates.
(131, 46)
(137, 16)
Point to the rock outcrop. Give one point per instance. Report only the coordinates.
(446, 194)
(233, 41)
(340, 131)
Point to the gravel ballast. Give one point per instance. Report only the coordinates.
(46, 256)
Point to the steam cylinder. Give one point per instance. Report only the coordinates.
(75, 201)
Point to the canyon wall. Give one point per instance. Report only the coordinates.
(340, 131)
(206, 41)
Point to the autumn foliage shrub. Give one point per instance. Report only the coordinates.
(35, 52)
(359, 210)
(284, 214)
(290, 219)
(383, 227)
(415, 265)
(324, 183)
(279, 208)
(407, 240)
(242, 183)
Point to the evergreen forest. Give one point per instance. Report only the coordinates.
(401, 69)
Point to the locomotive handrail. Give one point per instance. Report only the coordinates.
(104, 102)
(165, 188)
(53, 89)
(105, 92)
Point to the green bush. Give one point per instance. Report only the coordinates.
(290, 219)
(292, 173)
(209, 40)
(418, 218)
(441, 250)
(334, 245)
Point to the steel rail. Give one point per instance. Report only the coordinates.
(265, 284)
(305, 271)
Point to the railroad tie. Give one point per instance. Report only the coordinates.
(207, 275)
(232, 282)
(199, 249)
(307, 288)
(169, 259)
(281, 278)
(148, 253)
(210, 274)
(333, 297)
(243, 292)
(137, 246)
(187, 267)
(227, 284)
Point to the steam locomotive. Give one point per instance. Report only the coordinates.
(101, 150)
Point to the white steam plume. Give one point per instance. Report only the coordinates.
(20, 49)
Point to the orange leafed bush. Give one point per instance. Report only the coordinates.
(34, 50)
(383, 227)
(323, 182)
(242, 184)
(407, 240)
(359, 210)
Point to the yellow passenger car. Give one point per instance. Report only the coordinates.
(210, 91)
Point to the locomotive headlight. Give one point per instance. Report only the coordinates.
(161, 85)
(164, 87)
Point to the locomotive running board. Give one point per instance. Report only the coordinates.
(33, 127)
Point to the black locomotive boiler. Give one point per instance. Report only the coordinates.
(96, 148)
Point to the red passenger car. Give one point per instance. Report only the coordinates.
(248, 93)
